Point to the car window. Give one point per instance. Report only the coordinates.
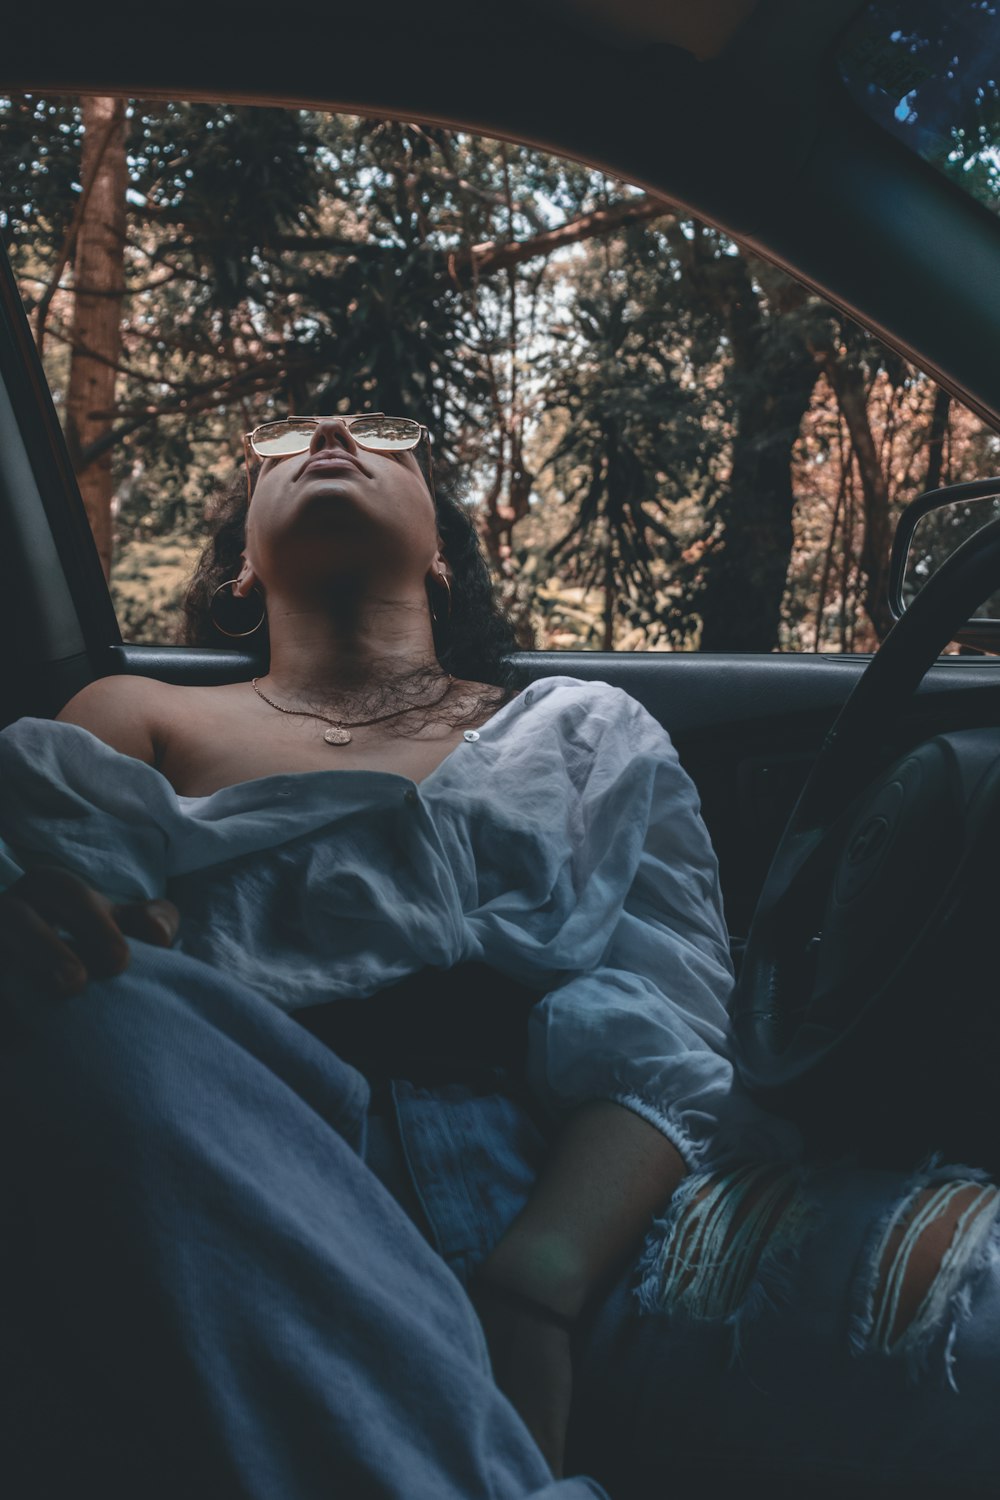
(928, 71)
(669, 444)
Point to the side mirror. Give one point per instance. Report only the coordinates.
(928, 532)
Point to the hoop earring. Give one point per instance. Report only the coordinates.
(436, 618)
(236, 633)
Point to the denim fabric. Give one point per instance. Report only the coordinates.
(777, 1371)
(208, 1293)
(785, 1389)
(473, 1152)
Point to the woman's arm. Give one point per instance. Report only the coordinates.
(40, 903)
(628, 1050)
(607, 1174)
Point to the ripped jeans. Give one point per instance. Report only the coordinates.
(831, 1331)
(816, 1332)
(208, 1293)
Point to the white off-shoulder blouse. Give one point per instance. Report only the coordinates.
(561, 844)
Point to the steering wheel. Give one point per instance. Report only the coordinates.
(858, 1009)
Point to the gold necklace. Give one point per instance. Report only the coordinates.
(339, 733)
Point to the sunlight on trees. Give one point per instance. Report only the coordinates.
(669, 444)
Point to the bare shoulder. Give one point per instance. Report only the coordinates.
(127, 712)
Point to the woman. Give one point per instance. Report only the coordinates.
(285, 1317)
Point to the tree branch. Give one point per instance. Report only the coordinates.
(254, 378)
(489, 256)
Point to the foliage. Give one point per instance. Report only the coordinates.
(668, 443)
(929, 73)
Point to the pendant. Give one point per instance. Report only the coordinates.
(337, 736)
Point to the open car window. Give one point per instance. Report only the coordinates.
(669, 444)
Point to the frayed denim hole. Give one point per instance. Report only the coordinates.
(973, 1246)
(725, 1250)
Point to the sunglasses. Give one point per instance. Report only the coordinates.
(374, 431)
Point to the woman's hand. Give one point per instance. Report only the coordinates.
(49, 900)
(532, 1365)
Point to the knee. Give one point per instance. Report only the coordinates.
(103, 1058)
(169, 1048)
(723, 1237)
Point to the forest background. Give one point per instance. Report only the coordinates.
(668, 443)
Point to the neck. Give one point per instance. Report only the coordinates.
(321, 654)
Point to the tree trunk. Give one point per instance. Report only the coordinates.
(745, 568)
(610, 598)
(848, 385)
(940, 413)
(743, 562)
(99, 287)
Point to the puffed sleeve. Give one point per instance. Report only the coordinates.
(73, 801)
(647, 1026)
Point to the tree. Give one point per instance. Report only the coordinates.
(739, 568)
(632, 423)
(99, 289)
(669, 442)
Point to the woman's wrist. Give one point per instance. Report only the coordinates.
(485, 1290)
(540, 1263)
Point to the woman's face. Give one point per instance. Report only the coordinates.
(340, 509)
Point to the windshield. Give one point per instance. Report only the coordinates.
(927, 71)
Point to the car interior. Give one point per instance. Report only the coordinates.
(739, 115)
(737, 111)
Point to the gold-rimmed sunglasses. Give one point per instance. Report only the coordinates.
(373, 431)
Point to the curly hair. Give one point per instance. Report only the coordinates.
(474, 643)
